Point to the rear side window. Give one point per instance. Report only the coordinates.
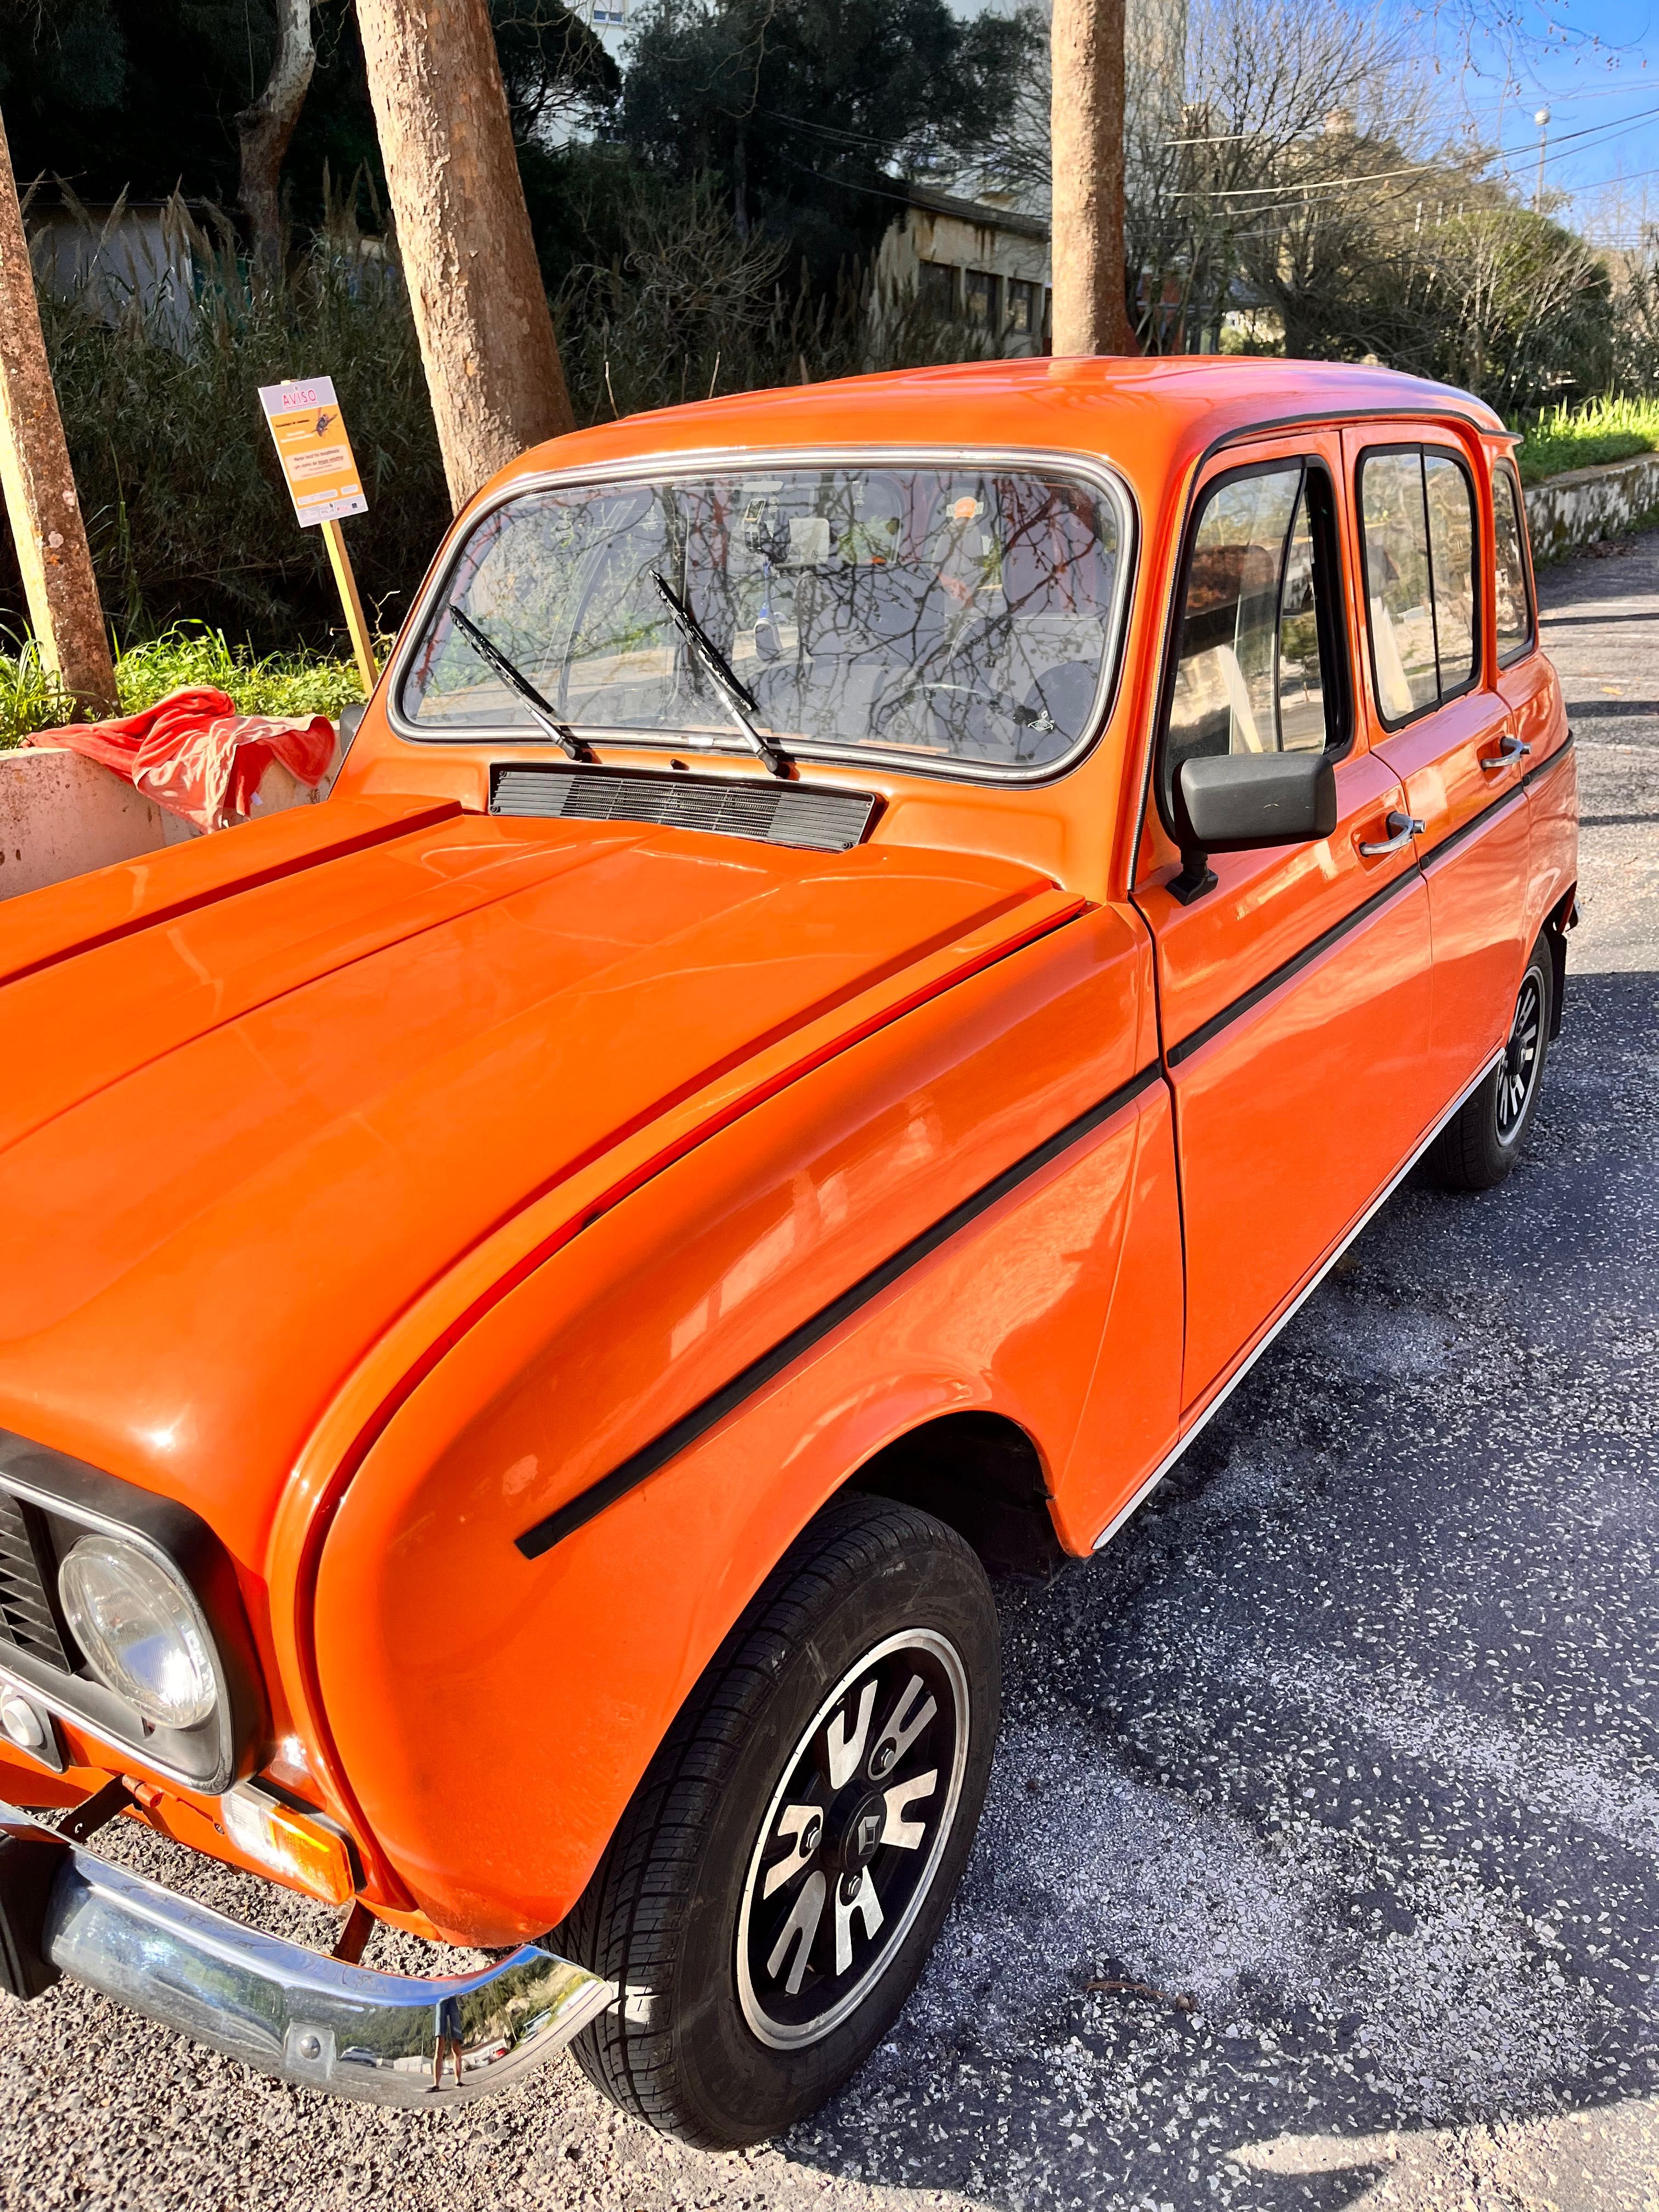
(1513, 605)
(1417, 516)
(1259, 663)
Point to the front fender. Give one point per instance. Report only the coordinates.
(493, 1712)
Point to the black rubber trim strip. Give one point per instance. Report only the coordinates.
(1467, 829)
(657, 1454)
(1532, 775)
(1294, 966)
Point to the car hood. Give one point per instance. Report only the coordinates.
(262, 1093)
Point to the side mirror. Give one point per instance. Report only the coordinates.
(1238, 802)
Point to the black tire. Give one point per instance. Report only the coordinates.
(719, 2052)
(1482, 1142)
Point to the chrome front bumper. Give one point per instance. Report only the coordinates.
(294, 2013)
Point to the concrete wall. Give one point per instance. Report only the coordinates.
(61, 815)
(1575, 508)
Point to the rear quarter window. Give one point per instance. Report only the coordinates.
(1512, 601)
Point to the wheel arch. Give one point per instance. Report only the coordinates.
(980, 1473)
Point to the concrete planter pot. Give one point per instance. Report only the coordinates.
(62, 815)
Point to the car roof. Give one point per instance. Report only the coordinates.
(1142, 413)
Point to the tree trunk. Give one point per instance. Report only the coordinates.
(481, 310)
(1087, 133)
(265, 128)
(39, 486)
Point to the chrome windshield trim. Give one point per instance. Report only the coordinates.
(305, 2017)
(1094, 469)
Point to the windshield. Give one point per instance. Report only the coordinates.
(961, 614)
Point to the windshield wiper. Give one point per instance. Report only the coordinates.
(740, 704)
(488, 650)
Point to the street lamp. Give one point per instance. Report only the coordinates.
(1542, 119)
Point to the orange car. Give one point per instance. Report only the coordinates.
(873, 944)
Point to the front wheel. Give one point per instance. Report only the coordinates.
(1482, 1142)
(780, 1876)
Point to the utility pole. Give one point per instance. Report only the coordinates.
(1086, 129)
(481, 312)
(1542, 119)
(38, 484)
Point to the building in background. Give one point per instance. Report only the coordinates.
(608, 18)
(973, 262)
(117, 257)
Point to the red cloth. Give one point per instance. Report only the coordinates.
(195, 755)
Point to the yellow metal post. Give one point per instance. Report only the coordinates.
(349, 599)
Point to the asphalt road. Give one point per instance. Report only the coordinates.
(1348, 1743)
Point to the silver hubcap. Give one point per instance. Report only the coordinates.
(1519, 1071)
(851, 1838)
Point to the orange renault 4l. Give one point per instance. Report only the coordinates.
(872, 943)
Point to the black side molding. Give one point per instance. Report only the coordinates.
(1294, 966)
(685, 1431)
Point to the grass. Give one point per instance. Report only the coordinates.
(1600, 430)
(293, 683)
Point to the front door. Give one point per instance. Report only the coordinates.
(1294, 996)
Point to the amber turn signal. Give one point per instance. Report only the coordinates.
(302, 1848)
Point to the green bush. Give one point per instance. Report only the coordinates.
(689, 309)
(186, 509)
(31, 697)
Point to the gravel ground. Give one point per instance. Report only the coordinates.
(1343, 1754)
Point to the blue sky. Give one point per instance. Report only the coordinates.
(1594, 64)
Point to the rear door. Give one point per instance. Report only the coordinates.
(1440, 721)
(1294, 997)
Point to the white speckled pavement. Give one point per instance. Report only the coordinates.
(1350, 1740)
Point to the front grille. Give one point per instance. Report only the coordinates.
(820, 819)
(27, 1619)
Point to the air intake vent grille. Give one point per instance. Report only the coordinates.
(25, 1614)
(822, 821)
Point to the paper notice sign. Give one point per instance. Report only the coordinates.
(313, 448)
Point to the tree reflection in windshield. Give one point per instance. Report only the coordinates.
(961, 614)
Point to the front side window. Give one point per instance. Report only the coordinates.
(1514, 598)
(1417, 513)
(956, 614)
(1258, 665)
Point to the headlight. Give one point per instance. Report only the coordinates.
(140, 1630)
